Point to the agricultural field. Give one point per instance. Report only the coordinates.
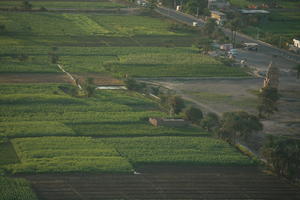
(105, 40)
(17, 189)
(62, 5)
(46, 110)
(85, 154)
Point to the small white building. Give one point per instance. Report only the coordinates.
(296, 42)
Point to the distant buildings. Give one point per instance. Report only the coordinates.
(218, 4)
(296, 42)
(219, 17)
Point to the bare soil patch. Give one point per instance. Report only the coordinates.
(166, 182)
(98, 79)
(33, 78)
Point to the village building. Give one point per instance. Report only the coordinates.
(167, 122)
(296, 42)
(219, 17)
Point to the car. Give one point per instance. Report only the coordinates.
(233, 52)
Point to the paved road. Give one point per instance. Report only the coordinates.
(264, 47)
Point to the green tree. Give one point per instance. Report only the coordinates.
(297, 68)
(174, 104)
(152, 4)
(284, 156)
(195, 6)
(193, 114)
(235, 25)
(132, 84)
(89, 87)
(26, 5)
(204, 45)
(238, 125)
(210, 26)
(268, 98)
(2, 28)
(210, 121)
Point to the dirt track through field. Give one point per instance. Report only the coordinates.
(166, 183)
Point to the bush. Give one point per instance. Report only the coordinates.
(193, 114)
(132, 84)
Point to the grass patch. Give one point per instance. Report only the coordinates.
(16, 189)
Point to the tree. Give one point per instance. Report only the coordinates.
(238, 125)
(204, 45)
(2, 28)
(132, 84)
(284, 156)
(89, 87)
(268, 98)
(176, 104)
(152, 4)
(210, 121)
(26, 5)
(193, 114)
(235, 24)
(210, 26)
(195, 6)
(297, 68)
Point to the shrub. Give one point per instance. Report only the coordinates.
(193, 114)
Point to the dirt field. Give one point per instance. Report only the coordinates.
(33, 78)
(166, 183)
(224, 95)
(99, 79)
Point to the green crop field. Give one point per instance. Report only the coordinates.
(84, 154)
(67, 154)
(62, 4)
(15, 189)
(178, 150)
(45, 110)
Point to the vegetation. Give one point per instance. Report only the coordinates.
(238, 125)
(284, 156)
(193, 114)
(178, 150)
(210, 122)
(172, 103)
(15, 189)
(66, 154)
(268, 98)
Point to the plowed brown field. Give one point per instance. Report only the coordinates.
(166, 183)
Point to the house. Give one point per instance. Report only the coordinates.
(296, 42)
(218, 4)
(167, 122)
(219, 17)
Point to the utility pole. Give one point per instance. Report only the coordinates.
(197, 12)
(257, 33)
